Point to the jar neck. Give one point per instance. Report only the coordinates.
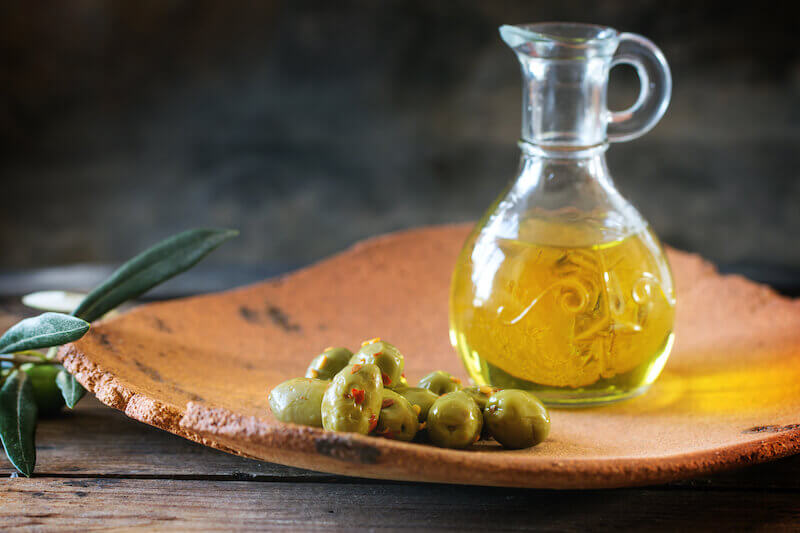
(572, 153)
(561, 171)
(566, 187)
(564, 100)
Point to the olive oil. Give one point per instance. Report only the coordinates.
(576, 312)
(562, 289)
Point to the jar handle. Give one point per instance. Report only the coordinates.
(654, 92)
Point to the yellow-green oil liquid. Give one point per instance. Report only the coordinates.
(584, 318)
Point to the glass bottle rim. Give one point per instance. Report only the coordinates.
(561, 39)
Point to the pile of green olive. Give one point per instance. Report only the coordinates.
(366, 392)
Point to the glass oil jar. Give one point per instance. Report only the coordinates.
(562, 288)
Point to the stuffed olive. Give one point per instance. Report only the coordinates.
(421, 399)
(386, 357)
(454, 421)
(299, 401)
(328, 363)
(516, 418)
(440, 382)
(368, 393)
(352, 402)
(398, 420)
(402, 383)
(480, 394)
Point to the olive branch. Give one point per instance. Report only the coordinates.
(28, 375)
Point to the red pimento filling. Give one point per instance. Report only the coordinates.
(386, 379)
(355, 368)
(357, 395)
(388, 402)
(373, 422)
(386, 432)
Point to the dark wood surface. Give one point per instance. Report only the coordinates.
(97, 469)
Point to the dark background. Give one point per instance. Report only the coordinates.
(311, 125)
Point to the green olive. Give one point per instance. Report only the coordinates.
(440, 382)
(45, 391)
(480, 394)
(398, 420)
(328, 363)
(298, 401)
(402, 384)
(421, 398)
(352, 403)
(516, 418)
(454, 421)
(386, 357)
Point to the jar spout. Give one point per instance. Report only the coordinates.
(565, 74)
(560, 40)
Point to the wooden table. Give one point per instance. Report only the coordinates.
(98, 469)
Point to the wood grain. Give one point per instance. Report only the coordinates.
(201, 367)
(76, 504)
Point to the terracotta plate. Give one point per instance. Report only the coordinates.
(201, 367)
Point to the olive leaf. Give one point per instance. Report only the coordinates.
(166, 259)
(18, 410)
(159, 263)
(43, 331)
(71, 390)
(18, 421)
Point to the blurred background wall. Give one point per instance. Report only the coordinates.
(310, 125)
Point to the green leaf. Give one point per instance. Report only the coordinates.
(71, 390)
(159, 263)
(43, 331)
(18, 421)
